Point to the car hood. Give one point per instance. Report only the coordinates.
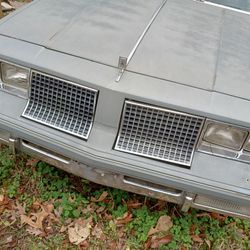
(188, 43)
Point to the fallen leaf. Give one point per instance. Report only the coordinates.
(196, 238)
(205, 214)
(101, 198)
(148, 243)
(80, 231)
(58, 212)
(192, 229)
(6, 6)
(83, 245)
(20, 208)
(111, 245)
(63, 229)
(35, 231)
(131, 204)
(100, 210)
(127, 217)
(5, 203)
(97, 232)
(232, 224)
(163, 225)
(208, 242)
(108, 216)
(157, 242)
(8, 240)
(31, 162)
(182, 248)
(35, 220)
(1, 198)
(218, 217)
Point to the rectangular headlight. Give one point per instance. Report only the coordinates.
(225, 135)
(15, 78)
(247, 146)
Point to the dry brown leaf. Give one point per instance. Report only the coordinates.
(111, 245)
(35, 220)
(5, 203)
(204, 214)
(192, 229)
(7, 240)
(63, 229)
(20, 208)
(49, 208)
(197, 238)
(157, 242)
(163, 225)
(108, 216)
(83, 245)
(183, 248)
(80, 231)
(97, 232)
(31, 162)
(1, 198)
(58, 212)
(101, 198)
(208, 242)
(127, 217)
(133, 204)
(35, 231)
(148, 243)
(218, 217)
(100, 210)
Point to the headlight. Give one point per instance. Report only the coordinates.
(15, 78)
(247, 146)
(225, 135)
(225, 140)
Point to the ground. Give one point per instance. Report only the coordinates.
(42, 207)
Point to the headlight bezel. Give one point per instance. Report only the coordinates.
(14, 88)
(241, 154)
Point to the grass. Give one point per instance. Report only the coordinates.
(28, 182)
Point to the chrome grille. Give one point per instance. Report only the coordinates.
(158, 133)
(60, 104)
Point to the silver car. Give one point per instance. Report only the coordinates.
(148, 96)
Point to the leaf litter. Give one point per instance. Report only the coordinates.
(107, 219)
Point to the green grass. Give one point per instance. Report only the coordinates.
(29, 182)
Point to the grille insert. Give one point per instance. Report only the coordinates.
(158, 133)
(60, 104)
(224, 206)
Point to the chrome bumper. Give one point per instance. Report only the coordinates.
(184, 199)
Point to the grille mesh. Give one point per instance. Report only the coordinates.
(61, 104)
(222, 205)
(158, 133)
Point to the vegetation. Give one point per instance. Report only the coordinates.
(42, 207)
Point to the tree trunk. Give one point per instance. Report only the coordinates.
(1, 11)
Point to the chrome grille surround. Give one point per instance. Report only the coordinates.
(61, 104)
(158, 133)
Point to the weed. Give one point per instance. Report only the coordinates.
(141, 224)
(6, 164)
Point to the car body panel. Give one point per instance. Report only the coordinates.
(189, 43)
(84, 28)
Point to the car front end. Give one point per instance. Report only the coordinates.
(173, 125)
